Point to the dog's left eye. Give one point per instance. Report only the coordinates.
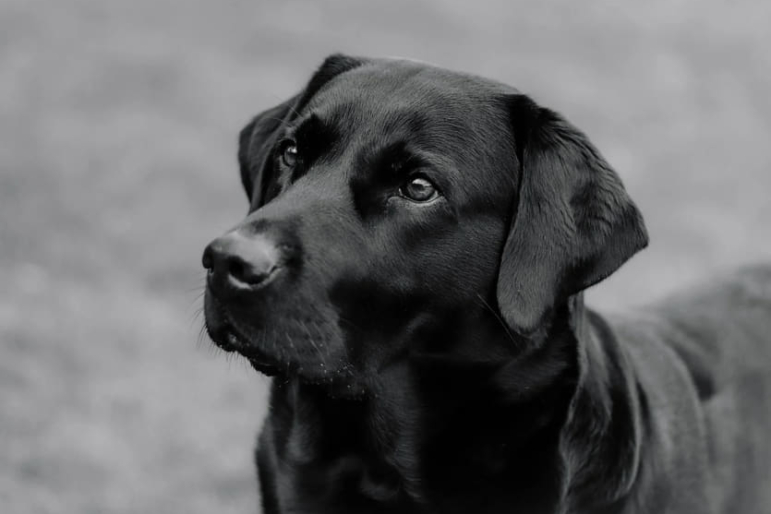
(419, 189)
(289, 154)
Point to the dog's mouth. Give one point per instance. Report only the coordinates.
(260, 361)
(225, 335)
(277, 346)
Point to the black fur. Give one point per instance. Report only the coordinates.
(437, 357)
(576, 226)
(257, 139)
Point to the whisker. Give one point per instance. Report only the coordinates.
(196, 298)
(280, 120)
(498, 317)
(196, 317)
(350, 323)
(196, 288)
(312, 339)
(202, 334)
(279, 98)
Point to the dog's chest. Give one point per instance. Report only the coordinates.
(313, 474)
(319, 456)
(322, 462)
(345, 484)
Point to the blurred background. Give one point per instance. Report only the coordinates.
(118, 125)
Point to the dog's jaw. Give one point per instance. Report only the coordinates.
(226, 336)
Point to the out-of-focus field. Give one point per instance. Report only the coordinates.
(117, 165)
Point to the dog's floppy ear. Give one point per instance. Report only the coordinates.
(255, 142)
(258, 139)
(574, 223)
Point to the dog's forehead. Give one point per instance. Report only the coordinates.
(383, 75)
(387, 88)
(458, 122)
(387, 101)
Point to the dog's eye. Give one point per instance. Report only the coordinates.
(419, 189)
(288, 152)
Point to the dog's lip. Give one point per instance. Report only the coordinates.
(228, 338)
(259, 360)
(231, 341)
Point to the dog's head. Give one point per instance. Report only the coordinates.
(399, 209)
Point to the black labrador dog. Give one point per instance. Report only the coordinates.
(411, 271)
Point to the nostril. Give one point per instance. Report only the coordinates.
(207, 260)
(237, 269)
(253, 272)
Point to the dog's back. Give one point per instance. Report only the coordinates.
(713, 345)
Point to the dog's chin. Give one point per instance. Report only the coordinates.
(263, 367)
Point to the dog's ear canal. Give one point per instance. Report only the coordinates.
(573, 224)
(258, 138)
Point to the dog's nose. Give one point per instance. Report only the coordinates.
(236, 261)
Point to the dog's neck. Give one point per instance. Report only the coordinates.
(522, 426)
(604, 435)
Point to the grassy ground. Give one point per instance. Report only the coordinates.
(117, 165)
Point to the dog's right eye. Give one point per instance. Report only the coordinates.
(419, 189)
(288, 153)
